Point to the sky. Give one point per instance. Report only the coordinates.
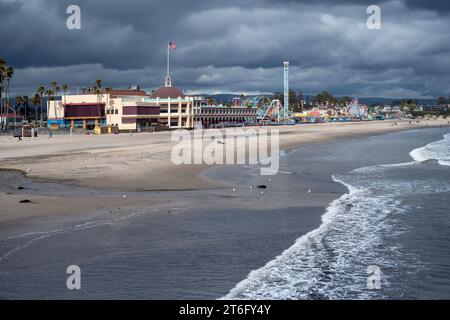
(230, 46)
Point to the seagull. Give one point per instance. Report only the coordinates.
(262, 192)
(234, 190)
(124, 196)
(28, 170)
(309, 191)
(251, 187)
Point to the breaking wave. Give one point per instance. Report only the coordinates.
(331, 261)
(439, 150)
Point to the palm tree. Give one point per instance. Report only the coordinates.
(2, 78)
(25, 102)
(108, 92)
(9, 75)
(55, 92)
(17, 104)
(49, 94)
(64, 88)
(40, 91)
(97, 91)
(36, 100)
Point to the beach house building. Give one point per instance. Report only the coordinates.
(126, 109)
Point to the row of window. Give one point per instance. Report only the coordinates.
(112, 111)
(223, 111)
(162, 110)
(223, 118)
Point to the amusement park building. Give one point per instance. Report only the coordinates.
(131, 109)
(135, 109)
(210, 116)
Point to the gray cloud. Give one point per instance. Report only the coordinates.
(232, 45)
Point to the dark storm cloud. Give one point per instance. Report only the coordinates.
(232, 45)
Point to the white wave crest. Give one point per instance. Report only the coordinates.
(438, 150)
(321, 263)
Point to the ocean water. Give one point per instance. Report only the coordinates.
(395, 216)
(332, 211)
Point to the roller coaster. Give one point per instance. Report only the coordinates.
(269, 111)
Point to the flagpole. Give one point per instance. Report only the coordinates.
(168, 61)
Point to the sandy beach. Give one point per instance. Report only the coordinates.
(133, 162)
(196, 232)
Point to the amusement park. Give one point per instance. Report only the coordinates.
(276, 109)
(112, 110)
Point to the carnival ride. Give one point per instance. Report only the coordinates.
(270, 111)
(355, 110)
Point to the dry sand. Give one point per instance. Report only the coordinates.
(134, 162)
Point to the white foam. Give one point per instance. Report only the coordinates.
(331, 261)
(438, 150)
(318, 264)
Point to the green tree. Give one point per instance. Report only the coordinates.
(64, 88)
(9, 75)
(278, 96)
(25, 102)
(442, 100)
(36, 100)
(108, 97)
(325, 98)
(97, 91)
(40, 91)
(210, 101)
(2, 78)
(6, 73)
(293, 100)
(17, 104)
(49, 93)
(55, 93)
(346, 100)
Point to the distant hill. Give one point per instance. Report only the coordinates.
(225, 97)
(372, 100)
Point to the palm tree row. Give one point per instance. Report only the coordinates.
(6, 74)
(52, 94)
(97, 91)
(21, 101)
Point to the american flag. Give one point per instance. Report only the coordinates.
(172, 45)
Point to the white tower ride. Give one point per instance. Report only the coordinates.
(286, 88)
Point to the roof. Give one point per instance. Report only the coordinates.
(166, 92)
(85, 104)
(116, 92)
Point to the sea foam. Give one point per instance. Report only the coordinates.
(330, 262)
(439, 150)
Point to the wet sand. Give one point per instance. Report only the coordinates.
(191, 239)
(133, 162)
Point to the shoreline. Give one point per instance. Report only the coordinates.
(265, 226)
(50, 168)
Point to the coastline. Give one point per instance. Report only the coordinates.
(137, 163)
(236, 235)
